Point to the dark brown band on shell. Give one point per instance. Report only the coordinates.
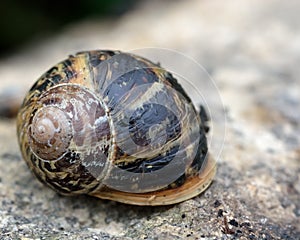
(148, 110)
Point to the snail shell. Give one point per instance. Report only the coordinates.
(115, 126)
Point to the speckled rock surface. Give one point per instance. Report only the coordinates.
(252, 50)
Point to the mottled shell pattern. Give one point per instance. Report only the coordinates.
(115, 126)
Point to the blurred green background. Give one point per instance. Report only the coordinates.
(21, 21)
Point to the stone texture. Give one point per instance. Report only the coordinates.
(252, 50)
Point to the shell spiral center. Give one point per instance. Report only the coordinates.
(49, 133)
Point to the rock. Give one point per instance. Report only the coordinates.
(251, 50)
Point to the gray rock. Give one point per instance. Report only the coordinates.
(251, 49)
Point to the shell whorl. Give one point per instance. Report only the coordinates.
(67, 138)
(50, 133)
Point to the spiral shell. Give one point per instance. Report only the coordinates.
(115, 126)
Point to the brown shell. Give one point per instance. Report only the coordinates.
(115, 126)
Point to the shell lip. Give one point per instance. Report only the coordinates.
(193, 186)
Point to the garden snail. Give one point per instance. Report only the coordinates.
(116, 126)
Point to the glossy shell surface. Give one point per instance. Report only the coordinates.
(116, 126)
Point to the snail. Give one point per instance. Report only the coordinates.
(115, 126)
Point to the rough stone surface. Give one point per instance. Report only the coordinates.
(252, 50)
